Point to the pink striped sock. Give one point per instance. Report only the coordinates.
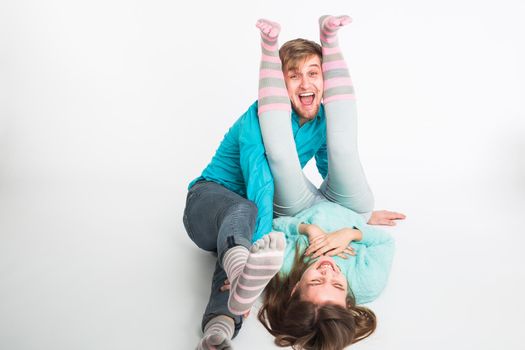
(337, 82)
(272, 89)
(250, 272)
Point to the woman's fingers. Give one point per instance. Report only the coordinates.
(343, 253)
(341, 250)
(335, 251)
(325, 246)
(314, 246)
(346, 252)
(322, 250)
(318, 240)
(312, 250)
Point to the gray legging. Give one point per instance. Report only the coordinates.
(345, 183)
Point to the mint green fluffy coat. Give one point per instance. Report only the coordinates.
(367, 272)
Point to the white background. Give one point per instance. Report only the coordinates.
(109, 108)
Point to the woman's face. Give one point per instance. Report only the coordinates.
(323, 283)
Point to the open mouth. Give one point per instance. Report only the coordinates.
(327, 264)
(307, 98)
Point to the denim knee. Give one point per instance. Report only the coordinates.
(245, 209)
(237, 227)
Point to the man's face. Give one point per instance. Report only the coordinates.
(305, 87)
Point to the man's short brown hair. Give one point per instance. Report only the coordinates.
(297, 50)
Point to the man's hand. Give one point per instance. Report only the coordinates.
(226, 286)
(335, 243)
(385, 217)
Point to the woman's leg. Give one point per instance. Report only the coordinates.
(293, 192)
(346, 182)
(221, 221)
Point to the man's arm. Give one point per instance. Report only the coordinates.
(256, 172)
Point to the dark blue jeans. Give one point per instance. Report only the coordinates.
(217, 219)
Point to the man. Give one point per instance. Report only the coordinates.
(240, 166)
(231, 203)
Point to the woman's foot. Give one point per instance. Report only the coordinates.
(273, 96)
(330, 24)
(269, 30)
(337, 82)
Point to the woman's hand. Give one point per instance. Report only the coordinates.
(335, 243)
(313, 232)
(385, 217)
(317, 237)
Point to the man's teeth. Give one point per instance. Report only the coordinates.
(306, 94)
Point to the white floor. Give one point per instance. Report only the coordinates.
(108, 110)
(101, 265)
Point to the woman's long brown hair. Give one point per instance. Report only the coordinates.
(305, 325)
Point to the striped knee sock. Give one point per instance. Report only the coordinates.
(217, 334)
(337, 82)
(249, 272)
(273, 96)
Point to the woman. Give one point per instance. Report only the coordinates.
(311, 304)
